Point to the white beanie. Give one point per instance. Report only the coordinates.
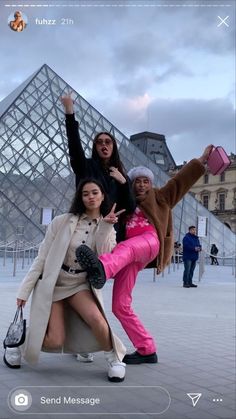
(141, 171)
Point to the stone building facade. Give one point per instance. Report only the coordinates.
(218, 194)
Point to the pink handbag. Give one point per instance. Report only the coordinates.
(218, 161)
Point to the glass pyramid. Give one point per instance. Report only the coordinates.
(35, 171)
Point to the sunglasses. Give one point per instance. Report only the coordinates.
(107, 141)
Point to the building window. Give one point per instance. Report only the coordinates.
(206, 178)
(221, 201)
(222, 177)
(205, 201)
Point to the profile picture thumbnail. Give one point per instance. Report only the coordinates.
(17, 21)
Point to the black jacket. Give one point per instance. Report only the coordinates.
(214, 249)
(84, 167)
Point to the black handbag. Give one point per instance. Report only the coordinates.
(16, 333)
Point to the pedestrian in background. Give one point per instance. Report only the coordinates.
(191, 249)
(214, 251)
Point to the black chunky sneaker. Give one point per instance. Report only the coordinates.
(92, 265)
(137, 358)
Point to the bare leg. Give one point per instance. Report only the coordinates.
(55, 334)
(85, 305)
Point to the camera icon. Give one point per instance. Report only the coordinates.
(21, 399)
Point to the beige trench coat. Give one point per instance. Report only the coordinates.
(52, 251)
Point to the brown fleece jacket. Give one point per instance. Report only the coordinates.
(157, 206)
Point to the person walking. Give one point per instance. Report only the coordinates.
(214, 251)
(148, 243)
(66, 313)
(191, 249)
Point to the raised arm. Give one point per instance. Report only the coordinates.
(76, 152)
(180, 184)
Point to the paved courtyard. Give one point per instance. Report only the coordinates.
(195, 333)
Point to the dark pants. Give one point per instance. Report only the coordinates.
(214, 260)
(189, 266)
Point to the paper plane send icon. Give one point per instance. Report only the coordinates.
(194, 397)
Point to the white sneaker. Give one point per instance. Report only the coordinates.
(12, 357)
(84, 357)
(116, 368)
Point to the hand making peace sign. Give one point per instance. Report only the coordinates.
(112, 217)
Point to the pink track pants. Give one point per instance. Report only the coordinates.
(123, 264)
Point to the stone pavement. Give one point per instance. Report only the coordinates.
(195, 332)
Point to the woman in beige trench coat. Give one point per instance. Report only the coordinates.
(66, 314)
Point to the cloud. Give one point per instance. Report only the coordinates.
(189, 125)
(139, 104)
(121, 59)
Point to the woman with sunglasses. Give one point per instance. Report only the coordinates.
(104, 164)
(66, 314)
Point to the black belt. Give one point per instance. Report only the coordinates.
(71, 270)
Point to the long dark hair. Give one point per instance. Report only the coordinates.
(78, 207)
(115, 157)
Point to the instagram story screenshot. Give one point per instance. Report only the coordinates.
(117, 209)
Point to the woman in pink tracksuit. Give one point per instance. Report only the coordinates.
(149, 241)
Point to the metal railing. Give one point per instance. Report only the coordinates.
(204, 259)
(19, 252)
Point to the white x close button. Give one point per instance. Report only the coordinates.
(223, 21)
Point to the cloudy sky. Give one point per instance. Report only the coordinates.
(160, 66)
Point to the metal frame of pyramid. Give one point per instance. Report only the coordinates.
(34, 164)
